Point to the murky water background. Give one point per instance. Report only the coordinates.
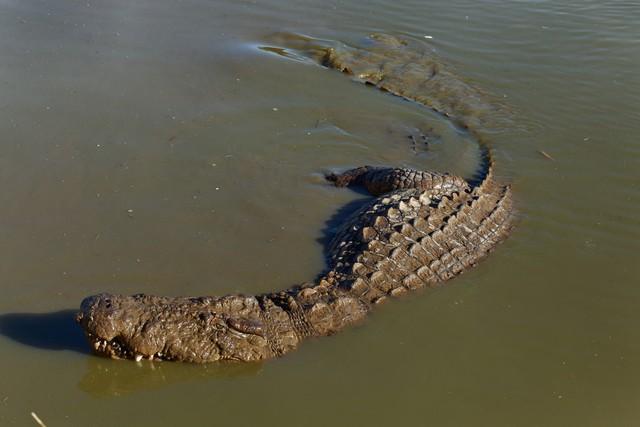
(148, 146)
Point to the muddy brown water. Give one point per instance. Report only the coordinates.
(152, 147)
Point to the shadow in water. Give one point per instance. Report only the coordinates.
(339, 219)
(49, 331)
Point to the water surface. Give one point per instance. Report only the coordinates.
(149, 146)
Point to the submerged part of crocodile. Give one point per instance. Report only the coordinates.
(422, 229)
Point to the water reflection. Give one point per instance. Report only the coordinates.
(112, 378)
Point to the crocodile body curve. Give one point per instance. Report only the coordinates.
(420, 230)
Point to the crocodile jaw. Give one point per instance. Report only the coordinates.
(113, 330)
(200, 330)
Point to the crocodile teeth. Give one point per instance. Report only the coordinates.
(100, 345)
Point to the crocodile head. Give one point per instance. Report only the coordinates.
(111, 326)
(191, 329)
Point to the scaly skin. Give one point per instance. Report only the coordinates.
(422, 229)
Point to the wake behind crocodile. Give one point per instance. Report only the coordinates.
(420, 230)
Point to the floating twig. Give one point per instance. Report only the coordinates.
(546, 155)
(38, 420)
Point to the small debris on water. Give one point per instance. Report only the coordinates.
(428, 37)
(275, 108)
(38, 420)
(217, 188)
(546, 155)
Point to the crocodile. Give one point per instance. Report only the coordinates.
(419, 230)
